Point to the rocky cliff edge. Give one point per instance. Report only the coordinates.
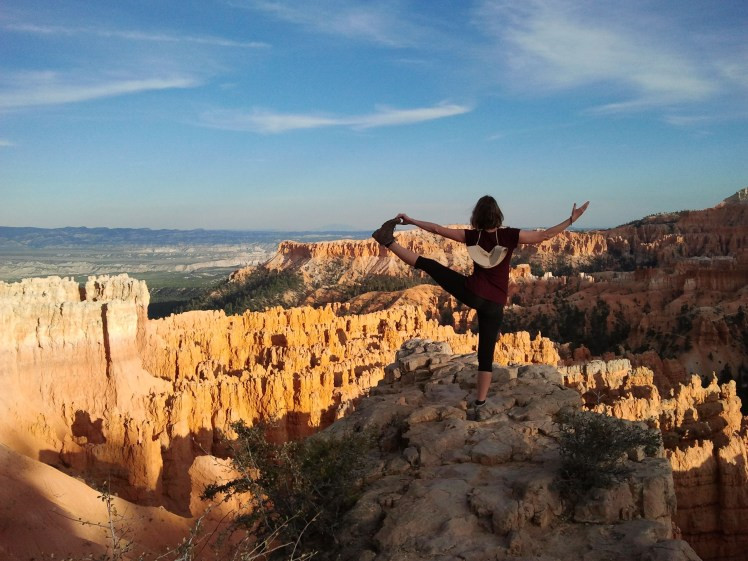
(447, 487)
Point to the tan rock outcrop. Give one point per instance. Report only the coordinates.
(713, 232)
(447, 486)
(664, 239)
(688, 307)
(705, 438)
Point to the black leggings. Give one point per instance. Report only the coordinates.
(490, 313)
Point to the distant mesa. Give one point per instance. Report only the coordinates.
(739, 198)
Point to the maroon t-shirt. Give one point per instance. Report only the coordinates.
(492, 284)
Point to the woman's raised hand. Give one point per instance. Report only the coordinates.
(404, 218)
(577, 212)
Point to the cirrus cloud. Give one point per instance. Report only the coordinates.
(641, 59)
(388, 23)
(132, 35)
(266, 121)
(33, 89)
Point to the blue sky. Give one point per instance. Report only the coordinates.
(252, 114)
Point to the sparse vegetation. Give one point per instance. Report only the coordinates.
(299, 491)
(684, 320)
(563, 265)
(119, 546)
(297, 494)
(260, 290)
(568, 323)
(382, 283)
(592, 448)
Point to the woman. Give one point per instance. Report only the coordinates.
(485, 289)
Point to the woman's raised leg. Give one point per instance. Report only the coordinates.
(403, 253)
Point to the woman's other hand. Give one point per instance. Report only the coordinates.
(404, 218)
(577, 212)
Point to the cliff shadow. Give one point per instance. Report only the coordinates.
(46, 514)
(174, 488)
(104, 464)
(705, 513)
(28, 511)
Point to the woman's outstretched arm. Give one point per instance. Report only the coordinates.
(537, 236)
(451, 233)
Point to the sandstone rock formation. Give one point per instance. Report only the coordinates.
(695, 313)
(714, 232)
(350, 260)
(705, 438)
(448, 487)
(95, 388)
(660, 239)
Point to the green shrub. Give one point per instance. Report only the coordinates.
(593, 446)
(261, 289)
(381, 283)
(299, 491)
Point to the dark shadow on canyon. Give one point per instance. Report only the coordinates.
(706, 513)
(28, 515)
(94, 465)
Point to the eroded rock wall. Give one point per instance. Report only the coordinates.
(705, 438)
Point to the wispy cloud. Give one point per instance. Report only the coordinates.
(552, 45)
(6, 143)
(133, 35)
(736, 70)
(32, 89)
(682, 120)
(384, 23)
(259, 120)
(686, 120)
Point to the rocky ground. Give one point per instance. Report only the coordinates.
(448, 487)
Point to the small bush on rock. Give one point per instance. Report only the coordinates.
(299, 491)
(593, 449)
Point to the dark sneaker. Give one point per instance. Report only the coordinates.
(385, 233)
(475, 410)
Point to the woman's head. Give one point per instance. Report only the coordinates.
(486, 214)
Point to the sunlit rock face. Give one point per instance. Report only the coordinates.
(351, 260)
(705, 438)
(662, 239)
(93, 386)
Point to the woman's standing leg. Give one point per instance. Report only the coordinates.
(489, 325)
